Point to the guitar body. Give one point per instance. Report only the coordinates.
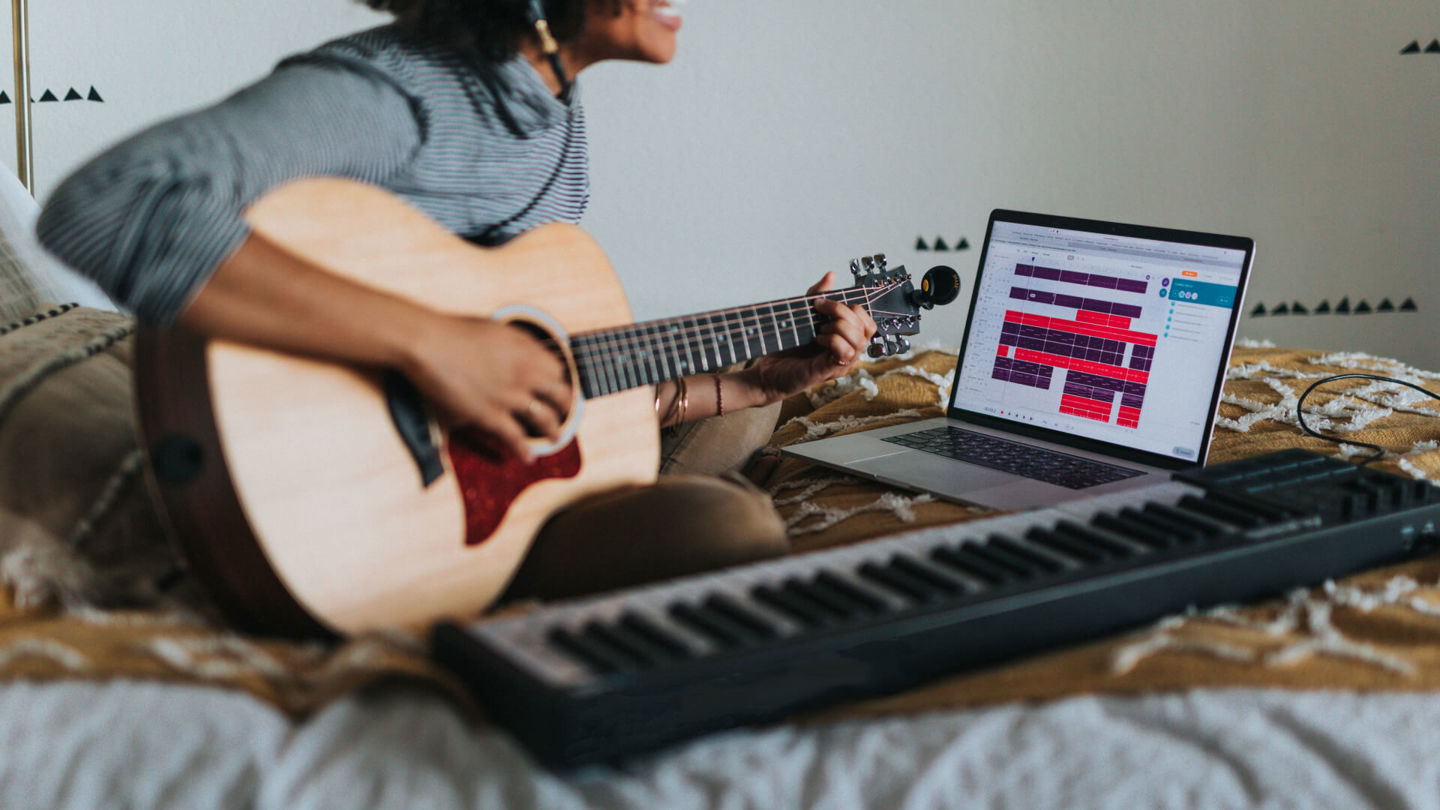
(286, 481)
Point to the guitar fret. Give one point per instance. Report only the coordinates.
(653, 352)
(642, 338)
(657, 347)
(730, 341)
(677, 362)
(609, 364)
(625, 356)
(721, 341)
(699, 337)
(759, 330)
(582, 366)
(794, 327)
(694, 329)
(711, 338)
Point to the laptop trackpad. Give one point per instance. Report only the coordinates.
(928, 471)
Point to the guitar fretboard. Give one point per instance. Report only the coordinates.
(613, 360)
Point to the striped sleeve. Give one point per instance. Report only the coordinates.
(150, 219)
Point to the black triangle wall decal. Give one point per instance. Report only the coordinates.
(74, 95)
(1258, 311)
(1363, 308)
(1299, 309)
(1433, 47)
(1409, 305)
(964, 244)
(49, 96)
(1323, 308)
(1385, 306)
(1343, 308)
(920, 243)
(4, 98)
(940, 244)
(94, 96)
(1283, 309)
(1413, 47)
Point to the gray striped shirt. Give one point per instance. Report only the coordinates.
(483, 150)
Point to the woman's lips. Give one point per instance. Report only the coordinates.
(667, 16)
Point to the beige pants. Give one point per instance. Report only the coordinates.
(701, 515)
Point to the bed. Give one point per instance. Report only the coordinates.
(115, 695)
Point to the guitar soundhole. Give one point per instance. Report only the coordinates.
(491, 478)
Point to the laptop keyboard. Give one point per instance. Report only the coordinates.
(1060, 469)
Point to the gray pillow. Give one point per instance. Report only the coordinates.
(76, 523)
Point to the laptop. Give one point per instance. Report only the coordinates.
(1092, 362)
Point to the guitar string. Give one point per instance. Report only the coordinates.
(631, 337)
(618, 337)
(606, 348)
(651, 338)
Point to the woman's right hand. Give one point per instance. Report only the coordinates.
(491, 376)
(478, 373)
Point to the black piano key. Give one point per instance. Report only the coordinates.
(867, 602)
(1206, 526)
(1068, 545)
(822, 598)
(940, 581)
(1176, 534)
(1019, 566)
(963, 559)
(600, 658)
(1112, 546)
(751, 624)
(899, 582)
(1036, 559)
(1270, 511)
(716, 627)
(640, 652)
(1140, 533)
(657, 636)
(792, 605)
(1233, 515)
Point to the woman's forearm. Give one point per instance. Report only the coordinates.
(703, 396)
(266, 297)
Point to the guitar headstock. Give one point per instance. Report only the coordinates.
(895, 303)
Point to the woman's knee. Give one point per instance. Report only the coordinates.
(679, 526)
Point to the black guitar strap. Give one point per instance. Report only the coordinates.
(490, 237)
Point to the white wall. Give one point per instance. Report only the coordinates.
(789, 137)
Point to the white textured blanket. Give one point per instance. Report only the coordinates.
(79, 747)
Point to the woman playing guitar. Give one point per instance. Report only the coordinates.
(466, 110)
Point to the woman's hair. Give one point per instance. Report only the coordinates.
(492, 29)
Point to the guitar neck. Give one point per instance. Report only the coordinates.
(613, 360)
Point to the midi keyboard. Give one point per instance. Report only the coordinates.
(601, 678)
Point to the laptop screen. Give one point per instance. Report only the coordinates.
(1114, 334)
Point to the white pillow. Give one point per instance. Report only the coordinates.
(28, 274)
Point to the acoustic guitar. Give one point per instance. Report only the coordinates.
(313, 498)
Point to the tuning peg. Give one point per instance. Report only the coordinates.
(868, 262)
(877, 347)
(880, 261)
(855, 269)
(902, 344)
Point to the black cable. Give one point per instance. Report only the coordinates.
(1379, 451)
(548, 45)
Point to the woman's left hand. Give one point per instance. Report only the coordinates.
(837, 349)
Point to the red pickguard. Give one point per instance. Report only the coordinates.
(490, 481)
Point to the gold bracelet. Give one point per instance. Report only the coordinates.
(683, 400)
(719, 398)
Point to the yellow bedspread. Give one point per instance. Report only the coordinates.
(1378, 630)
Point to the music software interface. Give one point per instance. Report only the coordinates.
(1113, 338)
